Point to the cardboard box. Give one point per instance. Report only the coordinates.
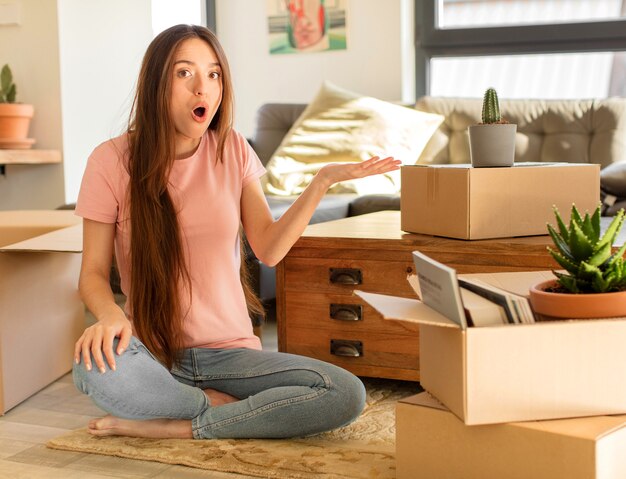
(432, 443)
(521, 372)
(459, 201)
(41, 316)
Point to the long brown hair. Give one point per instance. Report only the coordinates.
(158, 273)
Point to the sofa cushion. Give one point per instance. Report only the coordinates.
(576, 131)
(341, 126)
(273, 121)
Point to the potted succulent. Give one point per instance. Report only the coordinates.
(492, 142)
(14, 117)
(594, 284)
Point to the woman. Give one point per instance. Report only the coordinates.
(170, 196)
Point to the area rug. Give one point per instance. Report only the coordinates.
(364, 449)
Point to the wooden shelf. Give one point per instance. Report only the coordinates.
(29, 157)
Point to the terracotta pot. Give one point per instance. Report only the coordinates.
(15, 120)
(576, 306)
(492, 145)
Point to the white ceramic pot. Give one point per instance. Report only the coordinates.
(492, 145)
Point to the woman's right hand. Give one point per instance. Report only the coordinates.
(97, 340)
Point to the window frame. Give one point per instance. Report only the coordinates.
(575, 37)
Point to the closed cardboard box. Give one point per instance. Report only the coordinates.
(459, 201)
(41, 315)
(431, 442)
(520, 372)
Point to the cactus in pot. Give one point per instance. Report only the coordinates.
(594, 282)
(492, 142)
(14, 117)
(587, 255)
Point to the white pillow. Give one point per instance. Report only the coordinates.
(341, 126)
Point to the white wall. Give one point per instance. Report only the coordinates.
(371, 65)
(102, 43)
(31, 49)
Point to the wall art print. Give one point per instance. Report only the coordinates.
(304, 26)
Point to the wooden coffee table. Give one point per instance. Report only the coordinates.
(318, 315)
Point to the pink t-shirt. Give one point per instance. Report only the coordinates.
(208, 194)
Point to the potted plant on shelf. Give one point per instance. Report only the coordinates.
(492, 142)
(14, 117)
(594, 284)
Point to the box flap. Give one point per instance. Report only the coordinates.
(424, 399)
(405, 309)
(591, 428)
(20, 225)
(68, 240)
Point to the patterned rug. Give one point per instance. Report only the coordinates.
(364, 449)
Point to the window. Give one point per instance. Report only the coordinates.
(523, 48)
(481, 13)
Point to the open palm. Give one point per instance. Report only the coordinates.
(336, 172)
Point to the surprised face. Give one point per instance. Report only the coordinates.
(196, 93)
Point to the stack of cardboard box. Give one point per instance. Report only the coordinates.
(542, 401)
(41, 315)
(482, 381)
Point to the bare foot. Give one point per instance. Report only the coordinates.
(152, 428)
(218, 398)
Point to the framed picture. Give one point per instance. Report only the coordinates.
(304, 26)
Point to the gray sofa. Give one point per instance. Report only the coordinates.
(577, 131)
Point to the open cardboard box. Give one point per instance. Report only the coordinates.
(41, 316)
(459, 201)
(522, 372)
(431, 442)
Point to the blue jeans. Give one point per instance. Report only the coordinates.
(281, 395)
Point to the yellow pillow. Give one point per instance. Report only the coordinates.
(341, 126)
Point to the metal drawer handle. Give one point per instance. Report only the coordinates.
(346, 312)
(346, 348)
(345, 276)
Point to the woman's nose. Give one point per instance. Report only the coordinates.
(200, 87)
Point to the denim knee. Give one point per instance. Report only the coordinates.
(83, 377)
(351, 396)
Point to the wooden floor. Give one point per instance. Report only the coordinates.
(58, 408)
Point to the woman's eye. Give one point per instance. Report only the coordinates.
(214, 75)
(183, 73)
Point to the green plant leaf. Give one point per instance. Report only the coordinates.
(600, 256)
(6, 79)
(560, 243)
(589, 270)
(575, 217)
(587, 227)
(568, 282)
(595, 223)
(561, 224)
(600, 285)
(564, 262)
(613, 230)
(617, 256)
(11, 94)
(579, 245)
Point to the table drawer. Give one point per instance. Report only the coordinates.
(388, 352)
(335, 312)
(345, 275)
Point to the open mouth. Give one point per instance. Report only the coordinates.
(199, 112)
